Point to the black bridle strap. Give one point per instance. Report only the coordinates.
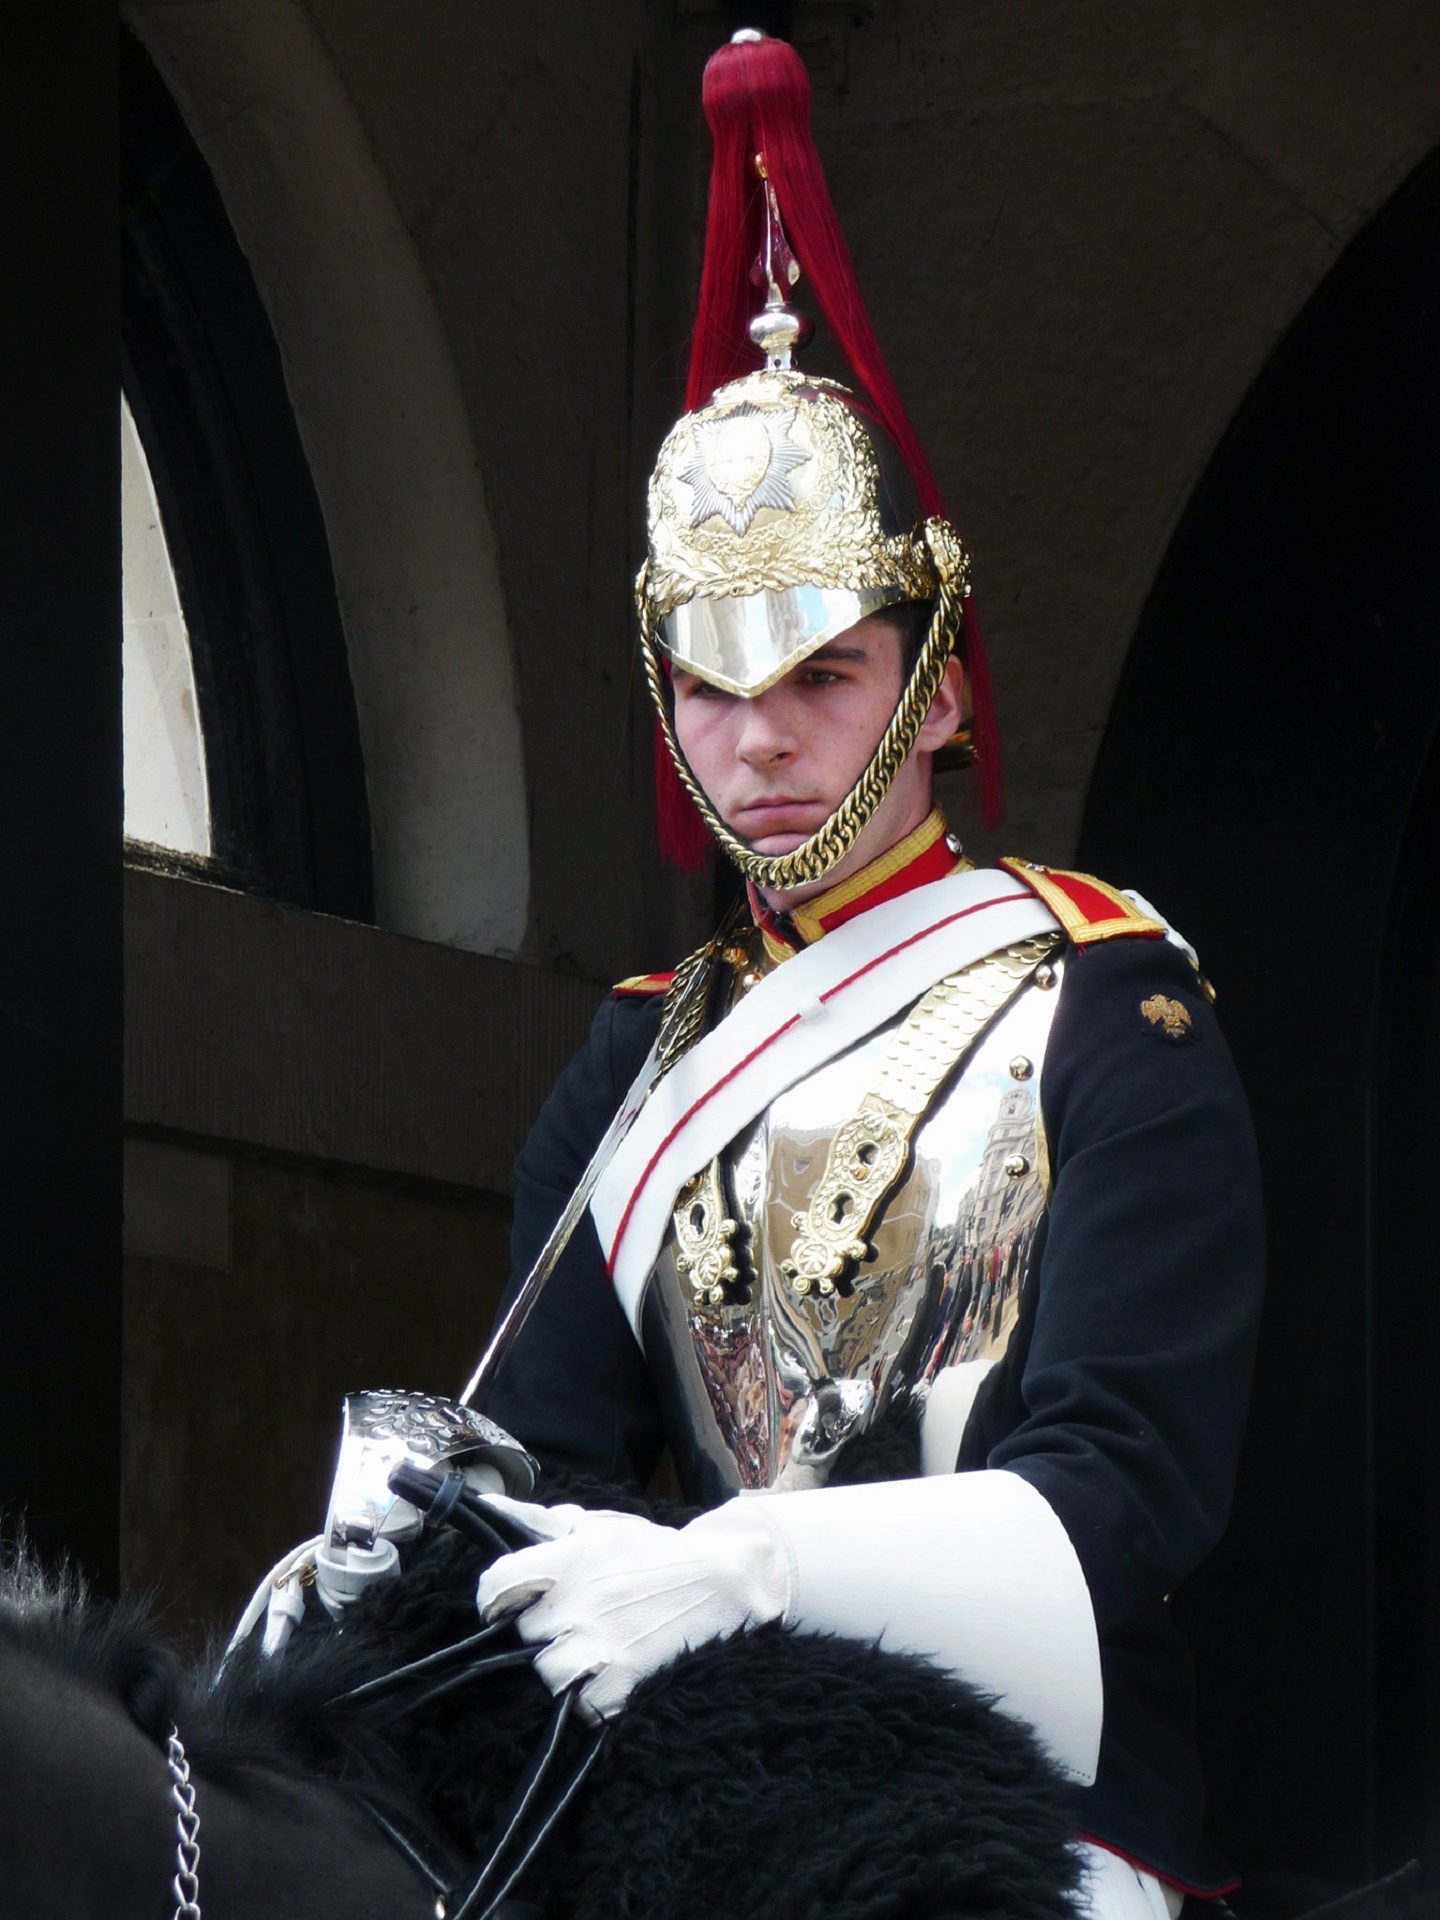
(393, 1709)
(422, 1844)
(448, 1499)
(427, 1664)
(469, 1908)
(522, 1799)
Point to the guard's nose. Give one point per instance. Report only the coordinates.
(765, 736)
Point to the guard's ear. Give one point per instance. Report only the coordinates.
(947, 710)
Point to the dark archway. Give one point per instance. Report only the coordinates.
(1407, 1337)
(1264, 776)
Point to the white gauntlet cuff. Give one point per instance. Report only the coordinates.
(974, 1570)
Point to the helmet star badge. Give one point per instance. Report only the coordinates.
(740, 464)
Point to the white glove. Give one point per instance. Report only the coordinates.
(617, 1597)
(974, 1570)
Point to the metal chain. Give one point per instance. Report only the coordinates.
(687, 1000)
(683, 1012)
(186, 1884)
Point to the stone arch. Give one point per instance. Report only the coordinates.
(380, 412)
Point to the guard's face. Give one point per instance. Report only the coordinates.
(777, 766)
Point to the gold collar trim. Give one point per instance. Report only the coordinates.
(810, 917)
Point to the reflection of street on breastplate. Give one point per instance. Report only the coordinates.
(764, 1387)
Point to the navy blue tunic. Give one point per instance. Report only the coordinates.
(1122, 1395)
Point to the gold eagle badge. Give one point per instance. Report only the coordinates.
(1172, 1015)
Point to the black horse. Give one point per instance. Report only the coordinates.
(773, 1774)
(87, 1823)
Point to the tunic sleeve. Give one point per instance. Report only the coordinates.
(1122, 1399)
(1132, 1387)
(574, 1388)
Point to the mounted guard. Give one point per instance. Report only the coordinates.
(917, 1214)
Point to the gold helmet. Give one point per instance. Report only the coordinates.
(781, 512)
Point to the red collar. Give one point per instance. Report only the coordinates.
(924, 855)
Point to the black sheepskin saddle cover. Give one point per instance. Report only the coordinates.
(775, 1775)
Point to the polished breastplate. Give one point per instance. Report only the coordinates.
(763, 1373)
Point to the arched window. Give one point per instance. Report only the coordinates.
(167, 796)
(242, 745)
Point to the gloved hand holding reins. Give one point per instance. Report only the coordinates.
(616, 1596)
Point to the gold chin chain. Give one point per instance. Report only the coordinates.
(828, 845)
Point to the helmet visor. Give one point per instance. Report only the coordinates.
(745, 643)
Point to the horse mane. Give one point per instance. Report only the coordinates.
(110, 1646)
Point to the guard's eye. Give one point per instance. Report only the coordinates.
(689, 686)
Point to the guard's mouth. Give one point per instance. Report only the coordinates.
(775, 813)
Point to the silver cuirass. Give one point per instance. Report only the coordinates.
(767, 1359)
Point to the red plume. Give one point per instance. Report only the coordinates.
(683, 836)
(757, 100)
